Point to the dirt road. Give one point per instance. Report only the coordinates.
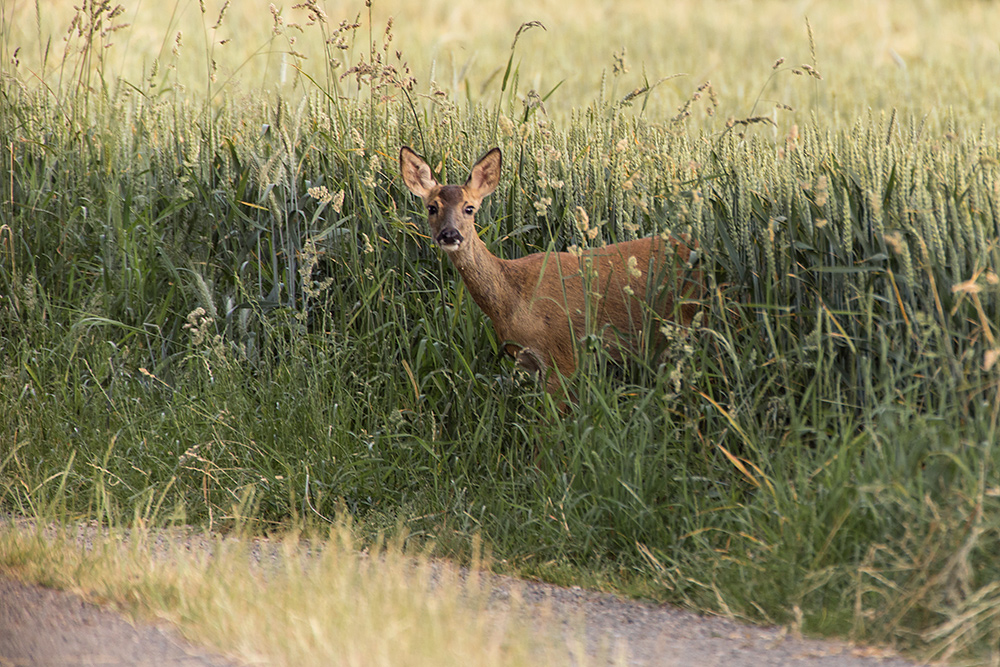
(39, 626)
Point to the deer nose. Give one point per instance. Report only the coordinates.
(449, 238)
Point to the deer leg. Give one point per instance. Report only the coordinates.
(530, 360)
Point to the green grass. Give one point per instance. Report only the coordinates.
(185, 330)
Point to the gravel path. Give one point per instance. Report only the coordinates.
(660, 635)
(40, 626)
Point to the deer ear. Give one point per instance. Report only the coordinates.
(485, 175)
(416, 174)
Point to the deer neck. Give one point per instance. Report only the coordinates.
(486, 276)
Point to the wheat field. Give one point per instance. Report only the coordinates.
(917, 57)
(220, 307)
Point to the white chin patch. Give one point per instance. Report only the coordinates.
(450, 247)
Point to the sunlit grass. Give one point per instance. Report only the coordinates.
(285, 600)
(913, 57)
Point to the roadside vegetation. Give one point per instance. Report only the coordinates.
(302, 599)
(220, 308)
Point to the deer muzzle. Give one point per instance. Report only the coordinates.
(449, 239)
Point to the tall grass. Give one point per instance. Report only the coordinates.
(213, 302)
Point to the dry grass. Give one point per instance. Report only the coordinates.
(283, 601)
(871, 54)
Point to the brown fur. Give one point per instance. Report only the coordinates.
(539, 303)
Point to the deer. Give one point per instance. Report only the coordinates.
(542, 304)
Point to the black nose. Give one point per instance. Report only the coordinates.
(449, 236)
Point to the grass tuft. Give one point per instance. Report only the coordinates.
(434, 614)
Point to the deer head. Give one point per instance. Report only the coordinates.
(451, 209)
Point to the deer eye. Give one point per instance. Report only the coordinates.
(470, 209)
(432, 209)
